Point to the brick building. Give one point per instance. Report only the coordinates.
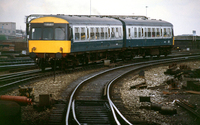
(8, 29)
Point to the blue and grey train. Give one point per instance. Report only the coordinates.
(75, 39)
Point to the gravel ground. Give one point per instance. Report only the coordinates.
(155, 78)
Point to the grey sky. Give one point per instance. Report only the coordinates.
(183, 14)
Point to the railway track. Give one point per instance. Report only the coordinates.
(86, 103)
(13, 80)
(90, 95)
(18, 60)
(17, 64)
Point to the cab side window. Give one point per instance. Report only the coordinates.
(59, 33)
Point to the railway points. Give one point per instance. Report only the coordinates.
(72, 85)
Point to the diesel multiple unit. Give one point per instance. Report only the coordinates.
(69, 40)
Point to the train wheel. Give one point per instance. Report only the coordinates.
(86, 61)
(42, 64)
(151, 56)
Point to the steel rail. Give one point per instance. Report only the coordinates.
(10, 80)
(17, 74)
(73, 105)
(76, 88)
(91, 77)
(17, 65)
(112, 105)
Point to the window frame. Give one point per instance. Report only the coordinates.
(106, 32)
(42, 26)
(55, 33)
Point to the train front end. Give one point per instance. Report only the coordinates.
(48, 40)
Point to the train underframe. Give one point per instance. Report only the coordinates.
(83, 58)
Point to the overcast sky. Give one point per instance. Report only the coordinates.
(183, 14)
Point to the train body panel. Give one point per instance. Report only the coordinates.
(49, 46)
(98, 45)
(49, 19)
(148, 42)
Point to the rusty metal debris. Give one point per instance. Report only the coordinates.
(193, 85)
(169, 93)
(156, 107)
(188, 108)
(139, 86)
(165, 110)
(22, 100)
(184, 67)
(173, 84)
(141, 74)
(45, 101)
(193, 92)
(26, 91)
(182, 70)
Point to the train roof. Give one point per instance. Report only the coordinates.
(107, 20)
(145, 22)
(86, 19)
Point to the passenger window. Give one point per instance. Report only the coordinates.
(117, 33)
(83, 33)
(142, 32)
(165, 32)
(158, 32)
(59, 33)
(108, 32)
(120, 34)
(153, 32)
(92, 33)
(48, 33)
(149, 32)
(87, 33)
(129, 33)
(102, 33)
(112, 33)
(36, 33)
(76, 33)
(135, 32)
(168, 32)
(139, 31)
(146, 32)
(97, 33)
